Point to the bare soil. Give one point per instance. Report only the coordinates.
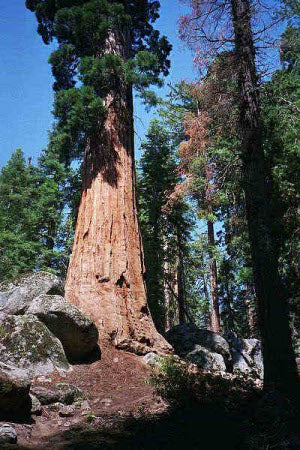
(116, 389)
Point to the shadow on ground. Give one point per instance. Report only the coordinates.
(188, 428)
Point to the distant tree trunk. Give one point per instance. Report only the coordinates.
(180, 281)
(166, 288)
(251, 313)
(280, 368)
(167, 298)
(207, 320)
(105, 275)
(215, 313)
(228, 301)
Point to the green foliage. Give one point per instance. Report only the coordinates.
(31, 204)
(85, 69)
(281, 106)
(217, 150)
(78, 112)
(157, 180)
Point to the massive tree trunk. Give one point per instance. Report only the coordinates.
(280, 368)
(105, 275)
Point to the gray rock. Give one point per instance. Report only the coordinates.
(14, 391)
(55, 406)
(77, 333)
(61, 393)
(184, 338)
(152, 359)
(85, 406)
(206, 359)
(66, 411)
(246, 355)
(36, 406)
(15, 297)
(25, 342)
(8, 434)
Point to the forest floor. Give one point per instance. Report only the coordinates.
(126, 413)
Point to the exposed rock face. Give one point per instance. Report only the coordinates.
(213, 352)
(77, 333)
(15, 297)
(8, 434)
(206, 359)
(27, 343)
(186, 337)
(246, 354)
(14, 392)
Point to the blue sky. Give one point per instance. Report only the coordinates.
(26, 83)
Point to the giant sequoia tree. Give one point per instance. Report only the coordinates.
(104, 48)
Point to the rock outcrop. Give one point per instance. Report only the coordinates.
(8, 435)
(188, 338)
(246, 355)
(25, 342)
(14, 391)
(77, 333)
(206, 359)
(212, 352)
(39, 329)
(16, 296)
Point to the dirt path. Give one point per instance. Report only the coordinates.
(116, 388)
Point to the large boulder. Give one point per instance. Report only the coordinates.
(8, 435)
(246, 355)
(27, 343)
(77, 333)
(15, 297)
(184, 338)
(14, 392)
(60, 393)
(206, 359)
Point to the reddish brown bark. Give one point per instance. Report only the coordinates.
(215, 313)
(105, 275)
(167, 293)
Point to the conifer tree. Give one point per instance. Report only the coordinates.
(19, 246)
(108, 46)
(210, 27)
(31, 205)
(165, 233)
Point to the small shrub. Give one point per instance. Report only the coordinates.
(90, 417)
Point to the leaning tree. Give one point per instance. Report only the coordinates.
(105, 47)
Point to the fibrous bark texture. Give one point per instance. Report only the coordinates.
(105, 276)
